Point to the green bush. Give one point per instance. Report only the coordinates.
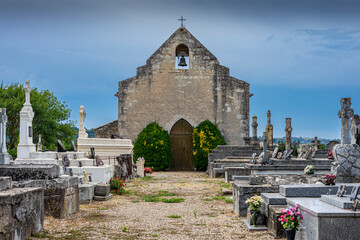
(153, 144)
(206, 137)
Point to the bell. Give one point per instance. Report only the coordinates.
(182, 62)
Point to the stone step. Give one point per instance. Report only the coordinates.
(236, 178)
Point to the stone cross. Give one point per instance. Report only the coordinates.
(27, 92)
(82, 132)
(269, 130)
(182, 21)
(288, 130)
(265, 138)
(345, 113)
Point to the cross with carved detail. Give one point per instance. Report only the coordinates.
(182, 21)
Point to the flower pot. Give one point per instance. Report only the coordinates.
(290, 234)
(256, 218)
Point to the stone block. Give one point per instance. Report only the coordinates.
(274, 226)
(20, 172)
(324, 221)
(230, 172)
(254, 228)
(311, 190)
(5, 183)
(4, 158)
(102, 190)
(103, 198)
(284, 179)
(21, 213)
(86, 192)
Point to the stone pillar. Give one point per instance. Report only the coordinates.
(269, 130)
(26, 144)
(316, 143)
(265, 138)
(82, 131)
(254, 140)
(288, 130)
(4, 156)
(355, 129)
(345, 113)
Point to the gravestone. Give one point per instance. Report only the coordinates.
(354, 193)
(60, 146)
(316, 143)
(140, 167)
(275, 152)
(73, 146)
(65, 162)
(345, 113)
(253, 158)
(279, 155)
(26, 145)
(287, 154)
(341, 190)
(92, 150)
(39, 144)
(4, 156)
(124, 167)
(305, 151)
(288, 130)
(347, 160)
(265, 155)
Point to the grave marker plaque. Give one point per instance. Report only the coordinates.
(341, 191)
(275, 152)
(354, 193)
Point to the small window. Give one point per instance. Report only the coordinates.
(182, 57)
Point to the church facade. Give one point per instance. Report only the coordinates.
(181, 85)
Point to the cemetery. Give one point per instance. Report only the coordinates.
(178, 162)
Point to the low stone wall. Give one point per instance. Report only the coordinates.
(21, 213)
(61, 195)
(21, 172)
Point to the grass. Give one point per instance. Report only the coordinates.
(159, 195)
(228, 200)
(103, 208)
(123, 228)
(174, 216)
(219, 198)
(213, 215)
(135, 201)
(154, 235)
(165, 193)
(207, 199)
(172, 200)
(225, 185)
(43, 234)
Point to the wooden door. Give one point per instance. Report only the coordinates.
(181, 146)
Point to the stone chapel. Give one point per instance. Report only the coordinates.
(181, 85)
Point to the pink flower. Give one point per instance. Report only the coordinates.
(301, 217)
(288, 212)
(282, 211)
(297, 205)
(292, 219)
(297, 213)
(279, 219)
(285, 220)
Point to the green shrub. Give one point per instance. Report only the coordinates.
(153, 144)
(206, 137)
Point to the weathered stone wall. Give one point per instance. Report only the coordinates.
(105, 131)
(21, 213)
(160, 92)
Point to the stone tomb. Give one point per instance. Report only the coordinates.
(60, 193)
(22, 211)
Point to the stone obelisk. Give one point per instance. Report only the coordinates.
(345, 113)
(26, 144)
(82, 131)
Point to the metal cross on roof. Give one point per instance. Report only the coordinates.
(182, 21)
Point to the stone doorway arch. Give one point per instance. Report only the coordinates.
(182, 158)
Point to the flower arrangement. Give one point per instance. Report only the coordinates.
(117, 185)
(254, 202)
(254, 205)
(290, 218)
(329, 179)
(147, 170)
(310, 169)
(330, 155)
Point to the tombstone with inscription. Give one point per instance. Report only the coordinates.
(305, 151)
(341, 190)
(26, 144)
(286, 154)
(4, 156)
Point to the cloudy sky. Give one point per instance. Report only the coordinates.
(300, 57)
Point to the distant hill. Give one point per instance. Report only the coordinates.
(302, 140)
(90, 133)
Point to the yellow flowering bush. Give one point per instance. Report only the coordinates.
(206, 137)
(153, 144)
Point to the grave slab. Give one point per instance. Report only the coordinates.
(311, 190)
(20, 172)
(254, 228)
(103, 198)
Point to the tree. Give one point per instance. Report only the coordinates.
(206, 137)
(51, 118)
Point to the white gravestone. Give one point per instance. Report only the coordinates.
(140, 166)
(4, 156)
(26, 144)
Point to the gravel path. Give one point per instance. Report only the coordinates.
(204, 213)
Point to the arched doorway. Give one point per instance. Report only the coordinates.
(181, 146)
